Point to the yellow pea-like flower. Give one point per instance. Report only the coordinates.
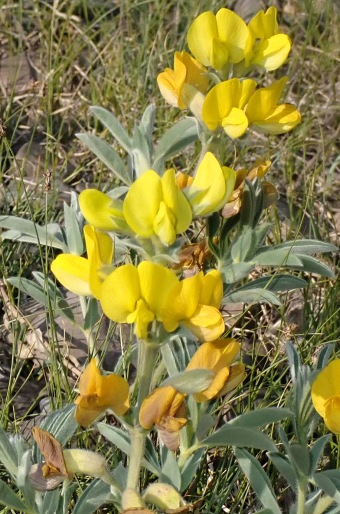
(326, 395)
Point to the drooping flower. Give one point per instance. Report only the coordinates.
(211, 186)
(185, 85)
(155, 206)
(194, 303)
(97, 393)
(218, 40)
(165, 409)
(102, 211)
(84, 276)
(271, 48)
(266, 115)
(137, 294)
(61, 464)
(224, 106)
(326, 395)
(218, 356)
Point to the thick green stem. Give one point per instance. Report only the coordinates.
(148, 352)
(301, 499)
(136, 457)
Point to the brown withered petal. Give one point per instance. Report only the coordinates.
(52, 451)
(270, 194)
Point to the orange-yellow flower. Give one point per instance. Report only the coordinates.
(165, 409)
(326, 395)
(218, 356)
(187, 81)
(97, 393)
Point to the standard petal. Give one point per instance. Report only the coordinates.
(282, 119)
(152, 276)
(217, 104)
(200, 36)
(215, 355)
(175, 200)
(141, 203)
(113, 393)
(167, 85)
(181, 302)
(99, 248)
(326, 386)
(264, 24)
(73, 272)
(233, 30)
(120, 292)
(89, 379)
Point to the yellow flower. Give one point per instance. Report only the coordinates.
(84, 276)
(211, 186)
(102, 211)
(264, 112)
(155, 205)
(97, 393)
(218, 40)
(193, 303)
(218, 357)
(136, 295)
(185, 85)
(165, 409)
(326, 395)
(271, 48)
(224, 106)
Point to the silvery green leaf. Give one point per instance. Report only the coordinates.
(73, 231)
(229, 435)
(244, 247)
(293, 361)
(276, 257)
(22, 482)
(258, 480)
(92, 315)
(170, 472)
(324, 356)
(255, 295)
(51, 501)
(8, 455)
(312, 265)
(301, 458)
(40, 294)
(20, 230)
(107, 155)
(95, 495)
(317, 450)
(10, 499)
(236, 271)
(61, 423)
(308, 246)
(260, 418)
(325, 482)
(189, 469)
(189, 382)
(285, 468)
(180, 135)
(147, 123)
(274, 283)
(112, 124)
(140, 153)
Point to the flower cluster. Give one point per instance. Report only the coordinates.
(231, 48)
